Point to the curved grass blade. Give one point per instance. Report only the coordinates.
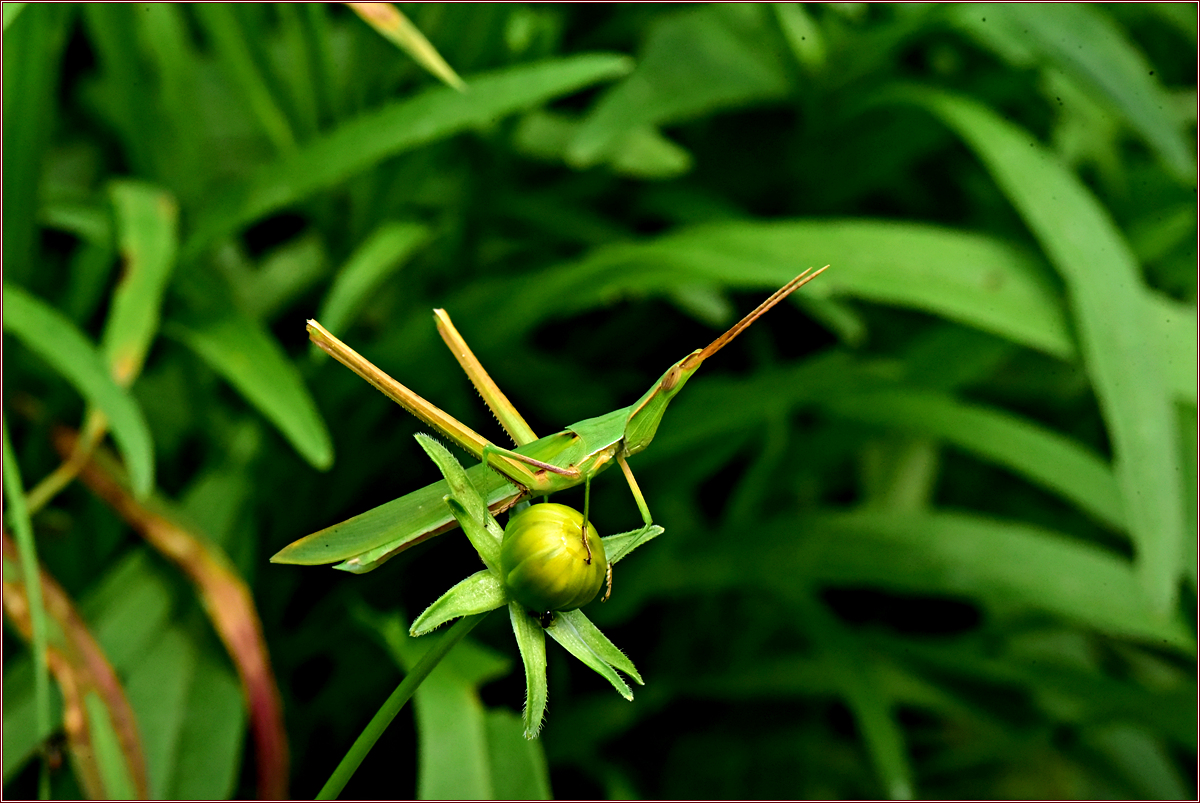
(56, 340)
(1109, 304)
(1004, 563)
(1083, 42)
(227, 600)
(861, 685)
(975, 280)
(452, 755)
(247, 356)
(147, 221)
(404, 125)
(228, 37)
(1047, 457)
(391, 23)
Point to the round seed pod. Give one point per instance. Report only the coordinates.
(543, 561)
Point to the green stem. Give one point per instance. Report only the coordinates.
(18, 516)
(387, 712)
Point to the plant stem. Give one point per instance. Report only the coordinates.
(387, 712)
(18, 514)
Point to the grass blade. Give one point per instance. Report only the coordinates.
(1109, 305)
(56, 340)
(99, 723)
(518, 765)
(227, 601)
(247, 356)
(1083, 42)
(391, 23)
(860, 684)
(452, 754)
(975, 280)
(18, 519)
(1044, 456)
(147, 223)
(999, 562)
(400, 126)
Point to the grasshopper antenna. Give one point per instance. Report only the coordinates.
(735, 330)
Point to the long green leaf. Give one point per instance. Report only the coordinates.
(1046, 457)
(969, 278)
(247, 356)
(211, 740)
(403, 125)
(56, 340)
(1174, 325)
(1002, 563)
(387, 712)
(1082, 41)
(106, 746)
(1110, 308)
(147, 222)
(861, 684)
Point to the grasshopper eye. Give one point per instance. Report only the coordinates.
(672, 378)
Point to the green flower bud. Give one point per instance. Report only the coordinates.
(543, 561)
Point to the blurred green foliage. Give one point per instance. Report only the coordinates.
(930, 529)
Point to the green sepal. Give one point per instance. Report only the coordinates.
(599, 643)
(479, 593)
(580, 637)
(619, 545)
(466, 504)
(532, 643)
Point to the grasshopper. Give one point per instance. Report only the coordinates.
(536, 467)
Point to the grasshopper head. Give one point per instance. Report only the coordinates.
(646, 414)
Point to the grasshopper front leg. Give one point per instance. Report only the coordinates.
(647, 520)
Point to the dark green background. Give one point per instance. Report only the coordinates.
(869, 583)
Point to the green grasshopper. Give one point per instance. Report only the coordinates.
(537, 467)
